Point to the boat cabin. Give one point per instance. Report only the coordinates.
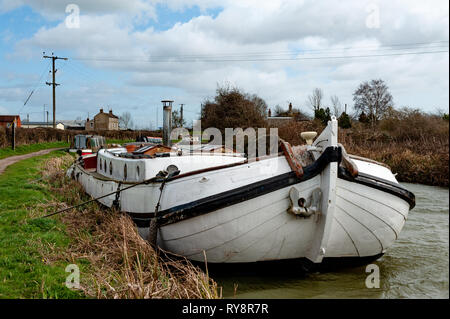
(88, 142)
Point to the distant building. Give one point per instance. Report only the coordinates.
(73, 124)
(6, 120)
(103, 121)
(60, 125)
(285, 117)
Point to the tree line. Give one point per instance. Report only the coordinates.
(231, 107)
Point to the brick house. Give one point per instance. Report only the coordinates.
(103, 121)
(6, 120)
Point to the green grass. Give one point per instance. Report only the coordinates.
(23, 272)
(113, 141)
(25, 149)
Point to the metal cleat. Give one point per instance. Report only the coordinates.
(305, 208)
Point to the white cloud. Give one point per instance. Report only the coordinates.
(56, 9)
(250, 30)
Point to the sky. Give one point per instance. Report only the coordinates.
(129, 55)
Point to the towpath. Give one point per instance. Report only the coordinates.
(4, 163)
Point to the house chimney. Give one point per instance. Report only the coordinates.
(290, 108)
(110, 112)
(270, 113)
(167, 121)
(101, 110)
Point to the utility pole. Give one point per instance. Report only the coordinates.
(28, 120)
(181, 114)
(47, 118)
(53, 84)
(157, 113)
(44, 113)
(13, 135)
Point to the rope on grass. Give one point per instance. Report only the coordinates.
(157, 178)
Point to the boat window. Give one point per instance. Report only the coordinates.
(137, 172)
(110, 168)
(104, 165)
(125, 172)
(101, 166)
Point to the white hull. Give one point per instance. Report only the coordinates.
(354, 219)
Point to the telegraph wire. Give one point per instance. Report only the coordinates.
(190, 60)
(254, 56)
(35, 87)
(298, 51)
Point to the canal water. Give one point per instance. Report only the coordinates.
(416, 266)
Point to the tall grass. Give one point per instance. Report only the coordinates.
(120, 263)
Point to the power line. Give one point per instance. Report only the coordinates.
(35, 87)
(263, 59)
(293, 51)
(255, 55)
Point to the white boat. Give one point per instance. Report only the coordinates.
(311, 202)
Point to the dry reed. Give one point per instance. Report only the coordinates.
(121, 264)
(415, 146)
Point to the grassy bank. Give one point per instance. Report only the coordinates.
(25, 149)
(118, 141)
(413, 144)
(24, 272)
(114, 261)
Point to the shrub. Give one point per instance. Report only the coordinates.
(344, 121)
(323, 115)
(232, 108)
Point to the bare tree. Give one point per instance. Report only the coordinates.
(125, 120)
(315, 99)
(373, 99)
(336, 105)
(176, 119)
(278, 110)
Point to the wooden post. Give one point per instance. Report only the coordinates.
(13, 135)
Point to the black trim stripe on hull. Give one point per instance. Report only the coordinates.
(247, 192)
(241, 194)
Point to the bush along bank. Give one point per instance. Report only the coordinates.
(416, 147)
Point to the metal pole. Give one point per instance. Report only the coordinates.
(13, 135)
(53, 84)
(167, 122)
(54, 94)
(181, 115)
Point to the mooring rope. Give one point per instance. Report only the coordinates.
(153, 227)
(151, 180)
